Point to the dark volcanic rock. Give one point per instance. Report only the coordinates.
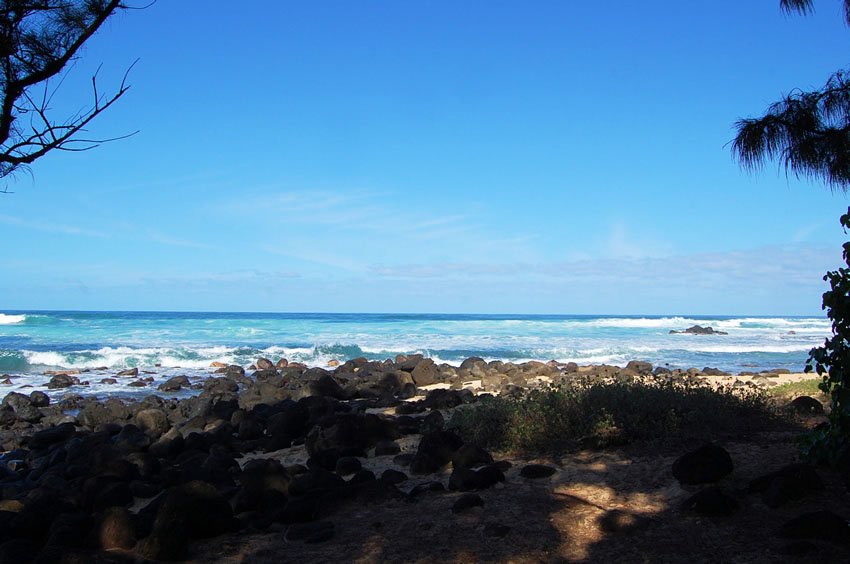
(51, 435)
(470, 456)
(39, 399)
(22, 406)
(115, 529)
(349, 432)
(129, 372)
(706, 464)
(62, 381)
(464, 479)
(425, 373)
(386, 448)
(174, 384)
(153, 421)
(467, 502)
(194, 510)
(393, 476)
(435, 450)
(807, 405)
(347, 465)
(699, 330)
(791, 482)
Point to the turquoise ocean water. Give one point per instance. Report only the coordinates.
(186, 343)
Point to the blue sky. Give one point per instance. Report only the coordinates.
(536, 157)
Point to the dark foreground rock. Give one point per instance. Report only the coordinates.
(72, 469)
(706, 464)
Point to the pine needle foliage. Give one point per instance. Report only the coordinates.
(808, 132)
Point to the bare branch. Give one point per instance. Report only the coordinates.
(40, 40)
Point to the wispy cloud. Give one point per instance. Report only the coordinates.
(177, 242)
(792, 264)
(51, 227)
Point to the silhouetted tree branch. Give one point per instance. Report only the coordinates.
(39, 40)
(807, 132)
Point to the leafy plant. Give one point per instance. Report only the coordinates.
(831, 443)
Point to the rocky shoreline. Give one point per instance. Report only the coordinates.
(279, 446)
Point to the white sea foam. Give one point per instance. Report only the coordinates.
(626, 322)
(8, 319)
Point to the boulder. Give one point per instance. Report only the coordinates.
(51, 435)
(435, 450)
(62, 381)
(131, 372)
(699, 330)
(347, 465)
(806, 405)
(464, 479)
(466, 502)
(394, 477)
(471, 361)
(639, 367)
(174, 384)
(789, 483)
(387, 448)
(22, 406)
(349, 432)
(153, 421)
(706, 464)
(264, 364)
(470, 456)
(196, 508)
(408, 362)
(425, 373)
(115, 529)
(220, 387)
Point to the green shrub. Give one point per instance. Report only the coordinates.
(831, 444)
(564, 417)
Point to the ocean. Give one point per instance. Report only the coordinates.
(172, 343)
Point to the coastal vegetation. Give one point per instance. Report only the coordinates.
(590, 413)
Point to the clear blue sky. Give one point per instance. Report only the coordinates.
(490, 156)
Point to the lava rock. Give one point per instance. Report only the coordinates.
(706, 464)
(467, 502)
(806, 405)
(791, 482)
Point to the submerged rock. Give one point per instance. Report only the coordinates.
(699, 330)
